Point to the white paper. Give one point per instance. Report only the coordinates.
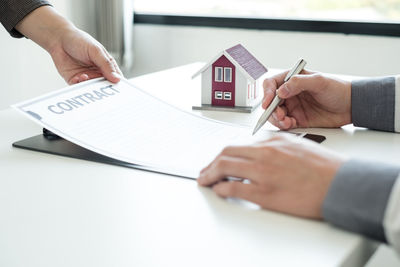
(125, 123)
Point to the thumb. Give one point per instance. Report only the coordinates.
(300, 83)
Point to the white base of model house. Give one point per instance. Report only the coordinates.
(224, 108)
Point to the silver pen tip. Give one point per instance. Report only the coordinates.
(256, 129)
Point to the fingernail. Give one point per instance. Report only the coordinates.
(200, 180)
(283, 91)
(116, 75)
(281, 124)
(274, 116)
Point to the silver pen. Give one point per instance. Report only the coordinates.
(275, 102)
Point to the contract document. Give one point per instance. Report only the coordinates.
(124, 122)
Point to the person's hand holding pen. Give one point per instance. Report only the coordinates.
(310, 100)
(287, 174)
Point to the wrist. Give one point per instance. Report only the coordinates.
(347, 97)
(56, 36)
(45, 27)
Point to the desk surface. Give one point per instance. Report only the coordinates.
(58, 211)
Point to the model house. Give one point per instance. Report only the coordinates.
(232, 81)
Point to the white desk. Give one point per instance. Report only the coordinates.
(58, 211)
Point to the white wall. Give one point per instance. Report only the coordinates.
(159, 47)
(27, 70)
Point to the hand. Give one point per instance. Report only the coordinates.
(77, 56)
(310, 100)
(285, 174)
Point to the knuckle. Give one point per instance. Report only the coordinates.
(277, 138)
(110, 61)
(266, 83)
(320, 79)
(97, 50)
(259, 168)
(318, 76)
(221, 162)
(265, 152)
(294, 80)
(226, 150)
(232, 189)
(269, 85)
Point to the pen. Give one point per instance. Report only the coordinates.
(275, 102)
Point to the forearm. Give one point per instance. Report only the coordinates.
(44, 26)
(358, 197)
(12, 12)
(376, 103)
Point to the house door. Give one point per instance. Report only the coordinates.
(223, 83)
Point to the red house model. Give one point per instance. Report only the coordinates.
(232, 81)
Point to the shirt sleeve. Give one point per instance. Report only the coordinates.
(13, 11)
(358, 197)
(375, 103)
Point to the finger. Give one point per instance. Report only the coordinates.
(273, 120)
(223, 167)
(280, 113)
(312, 83)
(74, 80)
(83, 77)
(285, 124)
(240, 190)
(270, 86)
(105, 63)
(294, 123)
(268, 97)
(275, 81)
(118, 70)
(247, 152)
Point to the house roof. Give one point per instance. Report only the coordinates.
(242, 58)
(247, 61)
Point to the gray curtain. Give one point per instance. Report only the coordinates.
(111, 23)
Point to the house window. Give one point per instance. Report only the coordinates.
(227, 75)
(218, 74)
(218, 95)
(227, 96)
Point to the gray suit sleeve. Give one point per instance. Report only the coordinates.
(13, 11)
(358, 196)
(373, 103)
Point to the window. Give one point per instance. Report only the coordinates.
(227, 75)
(218, 95)
(227, 96)
(218, 74)
(347, 10)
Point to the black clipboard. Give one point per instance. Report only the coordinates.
(50, 143)
(62, 147)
